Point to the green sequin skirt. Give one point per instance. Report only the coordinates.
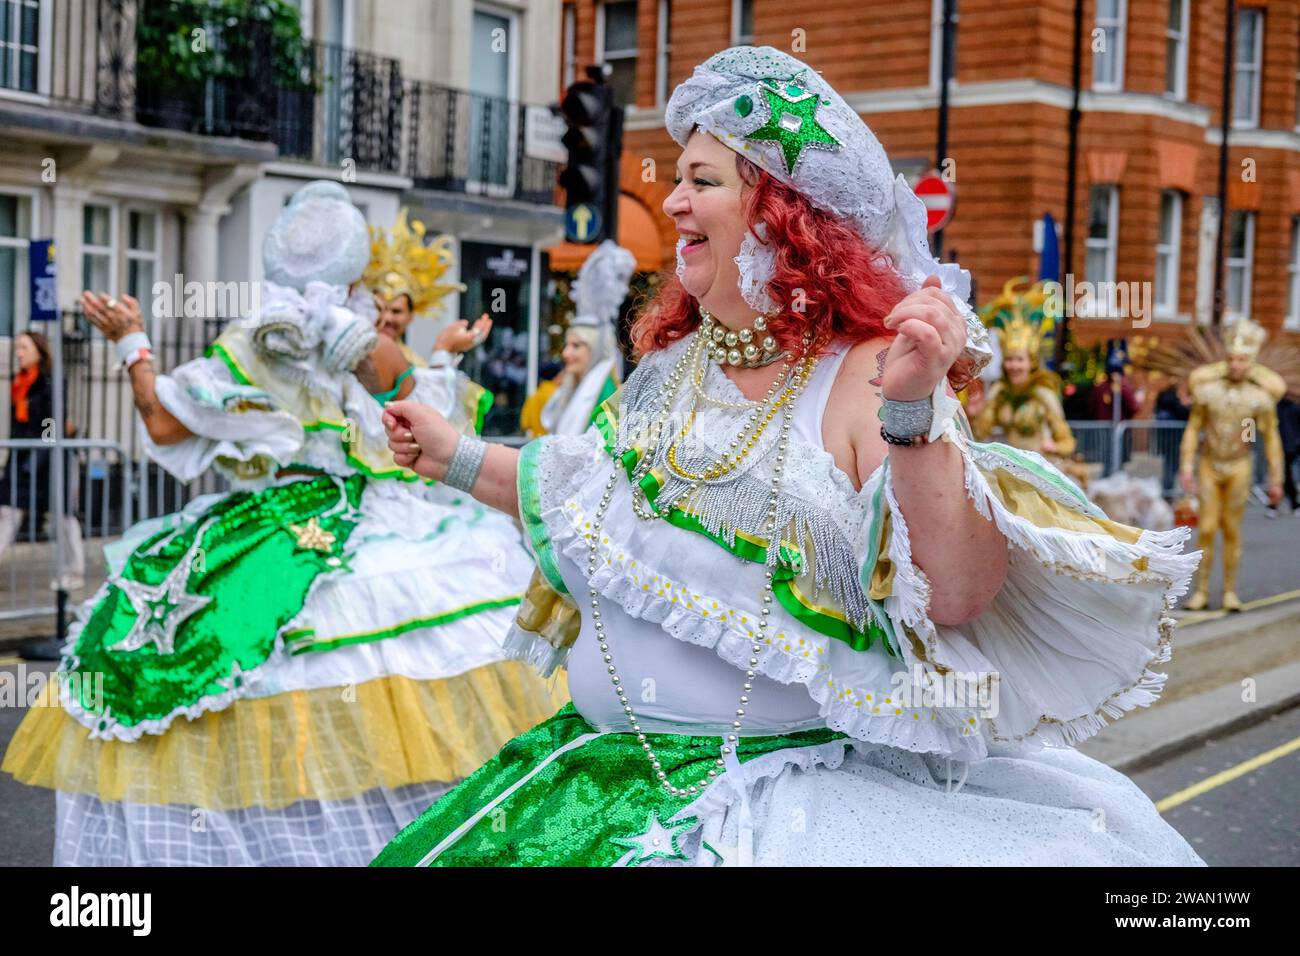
(565, 794)
(197, 607)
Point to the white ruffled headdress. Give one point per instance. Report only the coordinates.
(780, 114)
(598, 293)
(317, 247)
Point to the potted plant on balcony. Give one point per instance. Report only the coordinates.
(215, 67)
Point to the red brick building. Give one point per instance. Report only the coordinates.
(1148, 148)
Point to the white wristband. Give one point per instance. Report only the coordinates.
(129, 344)
(442, 358)
(945, 409)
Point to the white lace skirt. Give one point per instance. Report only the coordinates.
(873, 805)
(92, 832)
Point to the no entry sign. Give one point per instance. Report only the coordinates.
(939, 197)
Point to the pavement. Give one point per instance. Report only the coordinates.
(1227, 672)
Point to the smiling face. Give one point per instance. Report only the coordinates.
(1017, 366)
(576, 355)
(394, 315)
(706, 206)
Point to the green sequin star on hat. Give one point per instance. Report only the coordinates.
(792, 120)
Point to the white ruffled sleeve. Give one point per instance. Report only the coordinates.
(1071, 640)
(235, 427)
(436, 387)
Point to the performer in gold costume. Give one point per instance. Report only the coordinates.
(407, 277)
(1234, 405)
(1023, 408)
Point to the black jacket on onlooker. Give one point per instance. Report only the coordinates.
(26, 481)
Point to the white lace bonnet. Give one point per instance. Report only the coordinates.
(597, 293)
(318, 245)
(318, 237)
(780, 114)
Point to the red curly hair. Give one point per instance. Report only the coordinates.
(847, 287)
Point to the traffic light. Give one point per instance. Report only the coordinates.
(594, 140)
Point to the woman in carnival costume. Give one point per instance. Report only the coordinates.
(591, 360)
(1023, 406)
(287, 673)
(405, 274)
(806, 618)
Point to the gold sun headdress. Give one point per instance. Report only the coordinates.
(1022, 318)
(403, 264)
(1245, 337)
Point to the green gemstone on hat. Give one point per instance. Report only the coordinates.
(744, 105)
(794, 90)
(792, 123)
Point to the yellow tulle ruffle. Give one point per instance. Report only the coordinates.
(328, 744)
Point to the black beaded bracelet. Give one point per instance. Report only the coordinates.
(895, 440)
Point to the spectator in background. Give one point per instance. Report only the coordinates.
(1100, 408)
(1288, 423)
(1174, 403)
(25, 487)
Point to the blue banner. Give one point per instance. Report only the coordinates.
(45, 295)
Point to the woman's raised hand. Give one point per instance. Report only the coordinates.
(931, 334)
(420, 438)
(112, 317)
(459, 336)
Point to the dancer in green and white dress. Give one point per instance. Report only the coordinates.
(807, 620)
(289, 672)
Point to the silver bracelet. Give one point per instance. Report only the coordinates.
(466, 463)
(907, 419)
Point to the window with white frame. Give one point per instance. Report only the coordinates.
(617, 32)
(570, 51)
(1176, 50)
(15, 233)
(141, 252)
(1108, 45)
(98, 248)
(663, 50)
(936, 41)
(1292, 320)
(1241, 261)
(1249, 63)
(1168, 240)
(742, 22)
(20, 31)
(1103, 234)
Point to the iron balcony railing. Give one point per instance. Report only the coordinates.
(471, 143)
(341, 106)
(237, 68)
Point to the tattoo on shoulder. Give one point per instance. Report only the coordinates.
(880, 369)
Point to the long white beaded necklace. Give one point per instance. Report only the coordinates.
(729, 740)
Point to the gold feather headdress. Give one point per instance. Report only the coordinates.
(1021, 318)
(1203, 351)
(403, 264)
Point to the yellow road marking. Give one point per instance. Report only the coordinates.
(1232, 773)
(1199, 617)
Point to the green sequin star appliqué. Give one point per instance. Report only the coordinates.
(792, 120)
(658, 840)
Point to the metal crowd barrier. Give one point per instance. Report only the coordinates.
(1117, 444)
(99, 480)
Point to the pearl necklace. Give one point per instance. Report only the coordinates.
(729, 740)
(740, 446)
(743, 348)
